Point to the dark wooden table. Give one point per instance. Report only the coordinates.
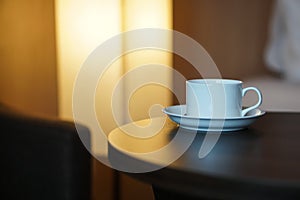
(261, 162)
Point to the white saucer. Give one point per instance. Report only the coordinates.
(177, 114)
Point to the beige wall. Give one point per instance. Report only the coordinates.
(233, 32)
(27, 56)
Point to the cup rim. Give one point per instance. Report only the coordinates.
(214, 81)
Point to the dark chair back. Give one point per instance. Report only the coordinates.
(42, 159)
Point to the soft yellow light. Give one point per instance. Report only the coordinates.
(147, 14)
(81, 26)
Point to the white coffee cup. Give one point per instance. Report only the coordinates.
(217, 98)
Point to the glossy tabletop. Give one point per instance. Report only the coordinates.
(262, 161)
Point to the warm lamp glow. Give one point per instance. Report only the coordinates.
(82, 26)
(147, 14)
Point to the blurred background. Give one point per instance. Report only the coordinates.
(44, 43)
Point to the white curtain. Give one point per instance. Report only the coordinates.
(283, 48)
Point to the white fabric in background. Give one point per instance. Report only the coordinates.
(283, 49)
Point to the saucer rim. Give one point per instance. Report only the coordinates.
(206, 129)
(207, 118)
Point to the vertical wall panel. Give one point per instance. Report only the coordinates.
(27, 56)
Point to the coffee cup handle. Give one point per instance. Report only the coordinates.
(245, 90)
